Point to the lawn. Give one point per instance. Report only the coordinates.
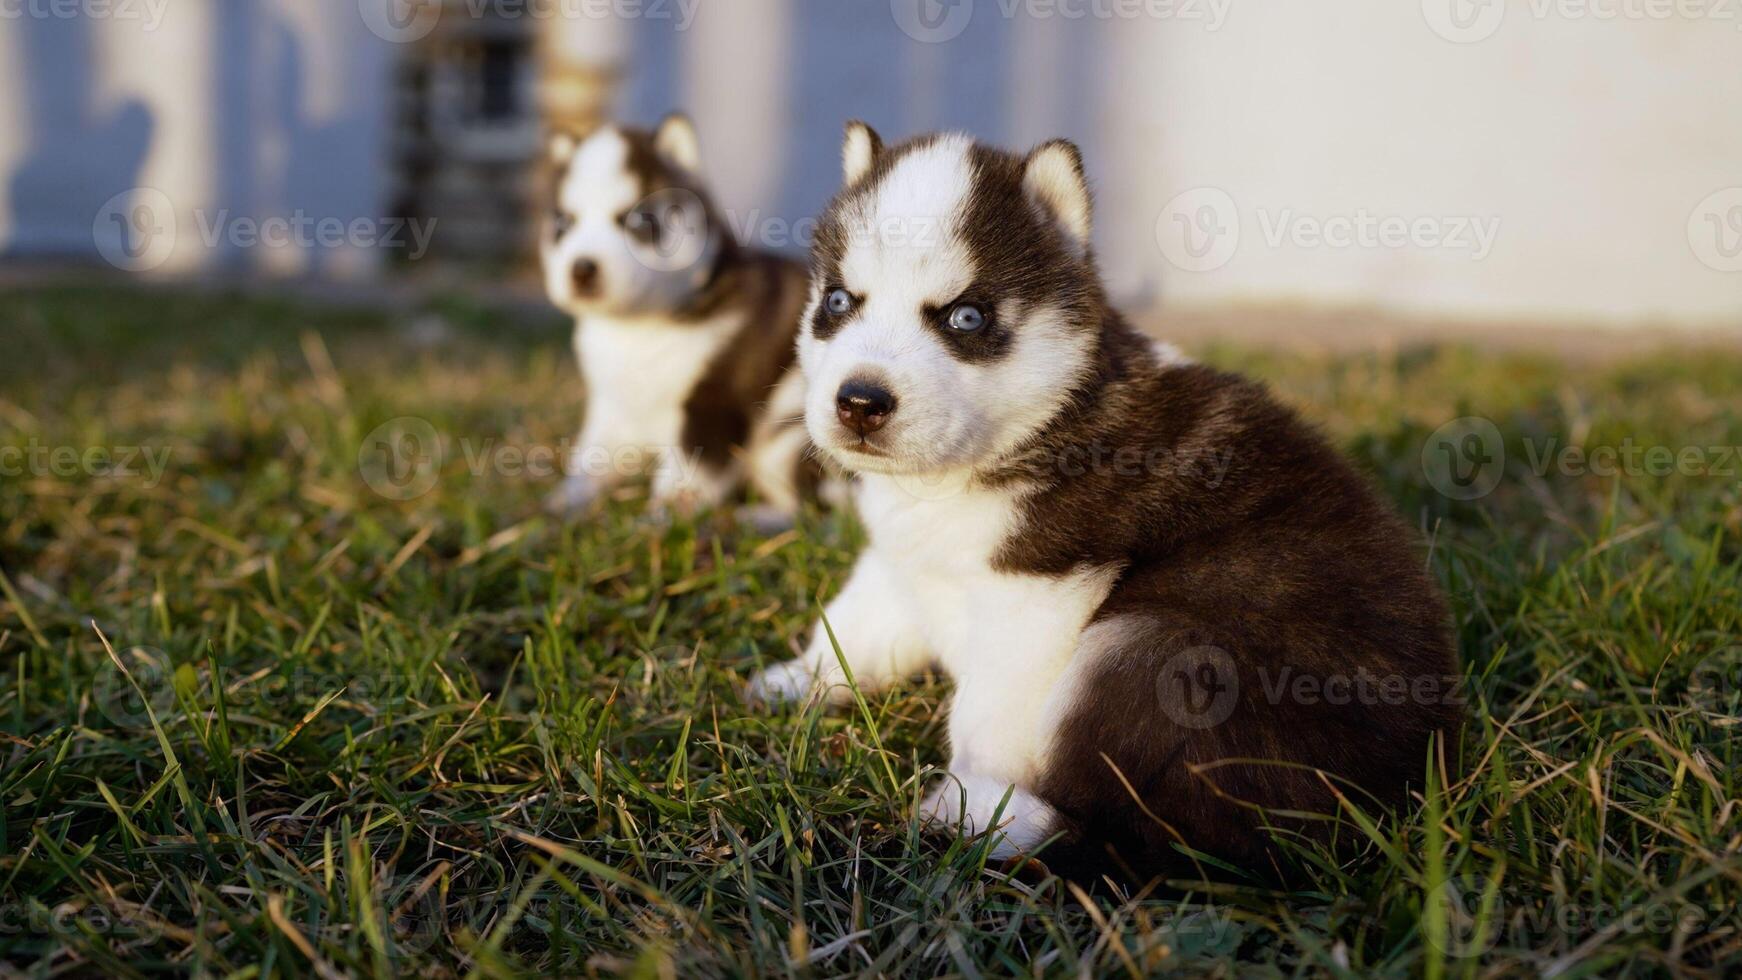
(274, 703)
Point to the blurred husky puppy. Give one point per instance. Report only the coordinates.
(1125, 561)
(684, 338)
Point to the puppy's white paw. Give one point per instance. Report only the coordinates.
(1018, 818)
(943, 805)
(767, 519)
(666, 506)
(575, 494)
(794, 680)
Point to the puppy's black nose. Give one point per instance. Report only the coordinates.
(585, 276)
(863, 406)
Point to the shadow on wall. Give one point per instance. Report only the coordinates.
(330, 169)
(280, 109)
(290, 126)
(78, 158)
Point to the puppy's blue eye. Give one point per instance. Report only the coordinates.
(967, 318)
(642, 224)
(560, 222)
(839, 301)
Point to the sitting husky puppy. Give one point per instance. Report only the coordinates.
(683, 337)
(1125, 562)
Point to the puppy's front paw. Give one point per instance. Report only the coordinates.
(575, 494)
(793, 680)
(943, 805)
(767, 519)
(980, 804)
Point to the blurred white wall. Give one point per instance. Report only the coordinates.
(1586, 144)
(1447, 157)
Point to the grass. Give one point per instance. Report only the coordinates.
(259, 719)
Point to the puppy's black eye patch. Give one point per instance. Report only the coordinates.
(969, 326)
(837, 307)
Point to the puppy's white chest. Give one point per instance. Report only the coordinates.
(942, 540)
(639, 374)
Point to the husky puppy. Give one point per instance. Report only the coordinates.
(684, 338)
(1127, 563)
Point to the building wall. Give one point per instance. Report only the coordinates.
(1459, 157)
(1558, 166)
(192, 123)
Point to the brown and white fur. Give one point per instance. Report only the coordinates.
(684, 338)
(1064, 515)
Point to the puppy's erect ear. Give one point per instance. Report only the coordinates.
(1052, 177)
(561, 145)
(859, 151)
(676, 141)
